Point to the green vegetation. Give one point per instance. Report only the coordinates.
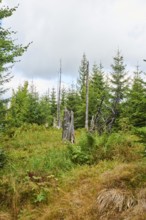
(40, 172)
(102, 175)
(9, 52)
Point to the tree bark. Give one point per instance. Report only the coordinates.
(87, 97)
(68, 126)
(59, 98)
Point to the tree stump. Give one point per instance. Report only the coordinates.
(68, 126)
(92, 124)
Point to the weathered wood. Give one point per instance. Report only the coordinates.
(54, 122)
(59, 98)
(92, 124)
(105, 119)
(72, 133)
(68, 126)
(87, 97)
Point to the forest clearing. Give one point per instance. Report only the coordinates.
(98, 177)
(78, 150)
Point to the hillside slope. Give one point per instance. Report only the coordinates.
(41, 181)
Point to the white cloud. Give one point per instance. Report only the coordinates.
(67, 28)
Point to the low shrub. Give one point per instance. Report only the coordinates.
(141, 133)
(91, 149)
(83, 152)
(119, 146)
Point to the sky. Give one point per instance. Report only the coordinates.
(65, 29)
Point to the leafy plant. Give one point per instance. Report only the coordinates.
(83, 152)
(78, 156)
(41, 197)
(90, 148)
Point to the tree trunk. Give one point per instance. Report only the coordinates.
(92, 124)
(59, 99)
(87, 97)
(68, 126)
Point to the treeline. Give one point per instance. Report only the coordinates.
(102, 102)
(115, 102)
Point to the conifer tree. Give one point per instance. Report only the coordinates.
(27, 107)
(63, 99)
(82, 91)
(9, 51)
(82, 76)
(45, 111)
(33, 106)
(72, 103)
(136, 101)
(118, 82)
(97, 89)
(19, 106)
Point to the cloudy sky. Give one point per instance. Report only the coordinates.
(65, 29)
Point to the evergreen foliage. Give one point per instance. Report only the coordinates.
(102, 175)
(96, 90)
(82, 91)
(136, 101)
(19, 106)
(9, 51)
(72, 103)
(119, 81)
(111, 104)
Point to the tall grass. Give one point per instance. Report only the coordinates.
(54, 161)
(44, 173)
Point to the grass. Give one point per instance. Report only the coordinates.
(90, 195)
(41, 181)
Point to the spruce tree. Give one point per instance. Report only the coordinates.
(9, 51)
(63, 99)
(97, 89)
(81, 84)
(27, 107)
(45, 117)
(33, 106)
(119, 82)
(73, 101)
(82, 76)
(136, 101)
(19, 106)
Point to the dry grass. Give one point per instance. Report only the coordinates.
(142, 198)
(5, 216)
(110, 190)
(139, 211)
(73, 205)
(125, 176)
(111, 195)
(115, 199)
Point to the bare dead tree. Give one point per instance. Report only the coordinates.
(105, 117)
(92, 124)
(87, 97)
(59, 98)
(72, 133)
